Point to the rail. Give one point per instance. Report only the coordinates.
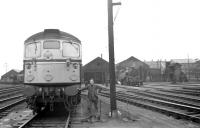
(154, 104)
(3, 90)
(43, 119)
(171, 98)
(10, 98)
(4, 109)
(24, 125)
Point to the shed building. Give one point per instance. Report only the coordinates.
(156, 70)
(129, 64)
(98, 69)
(10, 76)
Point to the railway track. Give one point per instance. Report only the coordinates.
(176, 98)
(185, 88)
(7, 92)
(8, 107)
(176, 110)
(189, 96)
(10, 98)
(10, 94)
(192, 88)
(186, 92)
(173, 85)
(46, 119)
(9, 89)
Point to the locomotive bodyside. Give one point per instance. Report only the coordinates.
(52, 65)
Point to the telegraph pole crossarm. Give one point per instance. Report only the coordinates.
(118, 3)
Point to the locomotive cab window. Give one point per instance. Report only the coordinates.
(71, 49)
(51, 44)
(33, 50)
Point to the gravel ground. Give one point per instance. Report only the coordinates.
(129, 117)
(18, 115)
(142, 118)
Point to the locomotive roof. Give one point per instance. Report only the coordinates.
(52, 34)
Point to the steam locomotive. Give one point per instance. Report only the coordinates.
(131, 77)
(52, 69)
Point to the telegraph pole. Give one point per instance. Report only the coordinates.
(112, 59)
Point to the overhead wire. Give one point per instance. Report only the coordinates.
(117, 12)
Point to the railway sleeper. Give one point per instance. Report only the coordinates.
(166, 111)
(166, 103)
(175, 100)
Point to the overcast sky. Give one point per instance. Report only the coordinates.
(146, 29)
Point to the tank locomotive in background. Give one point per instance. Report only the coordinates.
(131, 77)
(52, 68)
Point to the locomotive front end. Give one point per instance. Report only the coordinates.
(52, 65)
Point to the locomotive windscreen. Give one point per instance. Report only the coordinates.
(33, 50)
(71, 49)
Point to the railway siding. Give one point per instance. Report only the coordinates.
(165, 101)
(148, 105)
(6, 109)
(170, 98)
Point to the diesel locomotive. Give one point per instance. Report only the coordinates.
(52, 69)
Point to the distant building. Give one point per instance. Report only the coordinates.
(195, 71)
(10, 76)
(156, 70)
(183, 61)
(173, 73)
(188, 67)
(129, 65)
(131, 62)
(98, 69)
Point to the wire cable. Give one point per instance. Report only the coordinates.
(118, 9)
(116, 14)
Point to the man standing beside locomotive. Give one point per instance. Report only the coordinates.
(92, 99)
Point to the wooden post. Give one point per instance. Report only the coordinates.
(112, 59)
